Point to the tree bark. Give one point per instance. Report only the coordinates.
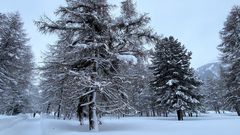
(93, 120)
(180, 114)
(48, 108)
(58, 111)
(60, 104)
(80, 110)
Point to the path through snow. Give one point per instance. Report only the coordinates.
(20, 125)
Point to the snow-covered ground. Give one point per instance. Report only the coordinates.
(206, 124)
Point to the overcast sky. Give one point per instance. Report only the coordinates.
(195, 23)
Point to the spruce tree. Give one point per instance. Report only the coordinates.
(230, 57)
(173, 81)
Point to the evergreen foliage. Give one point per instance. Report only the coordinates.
(16, 65)
(230, 57)
(174, 83)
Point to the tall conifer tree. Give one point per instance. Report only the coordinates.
(230, 57)
(174, 82)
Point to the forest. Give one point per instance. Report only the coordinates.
(112, 66)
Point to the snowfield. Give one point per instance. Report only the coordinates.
(206, 124)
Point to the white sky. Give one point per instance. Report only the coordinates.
(196, 23)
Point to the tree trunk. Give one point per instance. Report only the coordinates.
(153, 111)
(217, 110)
(166, 114)
(238, 112)
(180, 114)
(34, 114)
(60, 103)
(93, 120)
(80, 111)
(48, 108)
(59, 111)
(237, 108)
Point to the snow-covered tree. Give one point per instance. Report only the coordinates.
(213, 91)
(230, 57)
(128, 9)
(95, 47)
(59, 83)
(33, 99)
(135, 85)
(15, 65)
(132, 37)
(173, 81)
(3, 73)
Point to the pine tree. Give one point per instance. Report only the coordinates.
(15, 65)
(230, 57)
(174, 82)
(96, 46)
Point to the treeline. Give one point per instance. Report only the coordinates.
(100, 65)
